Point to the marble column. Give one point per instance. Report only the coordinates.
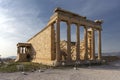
(53, 37)
(99, 44)
(18, 50)
(22, 49)
(78, 42)
(68, 41)
(93, 44)
(58, 40)
(26, 50)
(86, 43)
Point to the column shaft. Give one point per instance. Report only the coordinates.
(53, 37)
(22, 49)
(18, 51)
(86, 43)
(78, 43)
(58, 40)
(93, 45)
(68, 41)
(99, 44)
(26, 50)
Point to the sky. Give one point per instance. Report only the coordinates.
(21, 19)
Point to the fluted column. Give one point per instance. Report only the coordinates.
(93, 45)
(78, 43)
(68, 41)
(86, 43)
(99, 44)
(58, 40)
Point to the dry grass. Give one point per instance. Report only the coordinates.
(26, 66)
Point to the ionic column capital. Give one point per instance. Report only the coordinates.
(78, 25)
(58, 20)
(93, 28)
(85, 27)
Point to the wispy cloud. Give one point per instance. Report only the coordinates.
(17, 25)
(92, 8)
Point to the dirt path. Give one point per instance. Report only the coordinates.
(107, 72)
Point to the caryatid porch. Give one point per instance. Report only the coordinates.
(24, 52)
(90, 27)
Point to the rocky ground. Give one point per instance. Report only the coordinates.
(104, 72)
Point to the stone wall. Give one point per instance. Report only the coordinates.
(43, 45)
(21, 57)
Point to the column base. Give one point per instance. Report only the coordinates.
(99, 59)
(56, 63)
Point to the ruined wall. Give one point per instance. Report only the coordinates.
(21, 58)
(43, 45)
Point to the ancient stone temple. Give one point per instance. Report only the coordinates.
(47, 48)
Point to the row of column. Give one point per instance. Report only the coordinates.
(58, 58)
(22, 50)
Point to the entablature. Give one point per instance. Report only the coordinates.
(73, 18)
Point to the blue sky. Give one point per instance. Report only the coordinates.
(21, 19)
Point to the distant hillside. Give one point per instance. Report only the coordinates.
(111, 54)
(12, 57)
(103, 54)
